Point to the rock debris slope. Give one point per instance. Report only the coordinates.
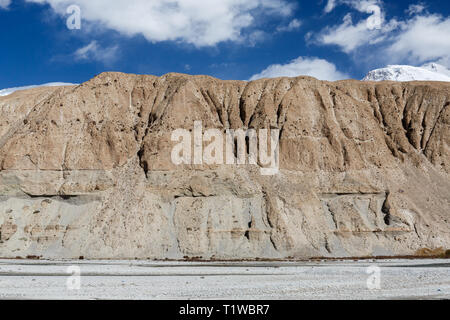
(86, 170)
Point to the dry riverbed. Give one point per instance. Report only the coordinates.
(398, 279)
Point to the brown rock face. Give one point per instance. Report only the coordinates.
(87, 170)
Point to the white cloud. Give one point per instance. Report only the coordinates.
(93, 51)
(308, 66)
(331, 4)
(293, 25)
(420, 38)
(202, 23)
(360, 5)
(415, 9)
(4, 4)
(255, 37)
(349, 35)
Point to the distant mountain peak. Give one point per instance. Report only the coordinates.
(427, 72)
(8, 91)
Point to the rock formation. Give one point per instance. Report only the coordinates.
(86, 170)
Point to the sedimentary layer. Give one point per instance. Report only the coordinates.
(86, 170)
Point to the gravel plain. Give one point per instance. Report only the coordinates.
(398, 279)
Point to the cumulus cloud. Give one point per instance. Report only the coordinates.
(307, 66)
(202, 23)
(94, 52)
(421, 37)
(4, 4)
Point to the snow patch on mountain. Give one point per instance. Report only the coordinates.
(427, 72)
(8, 91)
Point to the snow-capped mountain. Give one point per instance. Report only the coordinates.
(427, 72)
(8, 91)
(437, 68)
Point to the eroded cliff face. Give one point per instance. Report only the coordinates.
(87, 171)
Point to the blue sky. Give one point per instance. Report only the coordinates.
(228, 39)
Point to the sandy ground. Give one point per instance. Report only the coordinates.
(399, 279)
